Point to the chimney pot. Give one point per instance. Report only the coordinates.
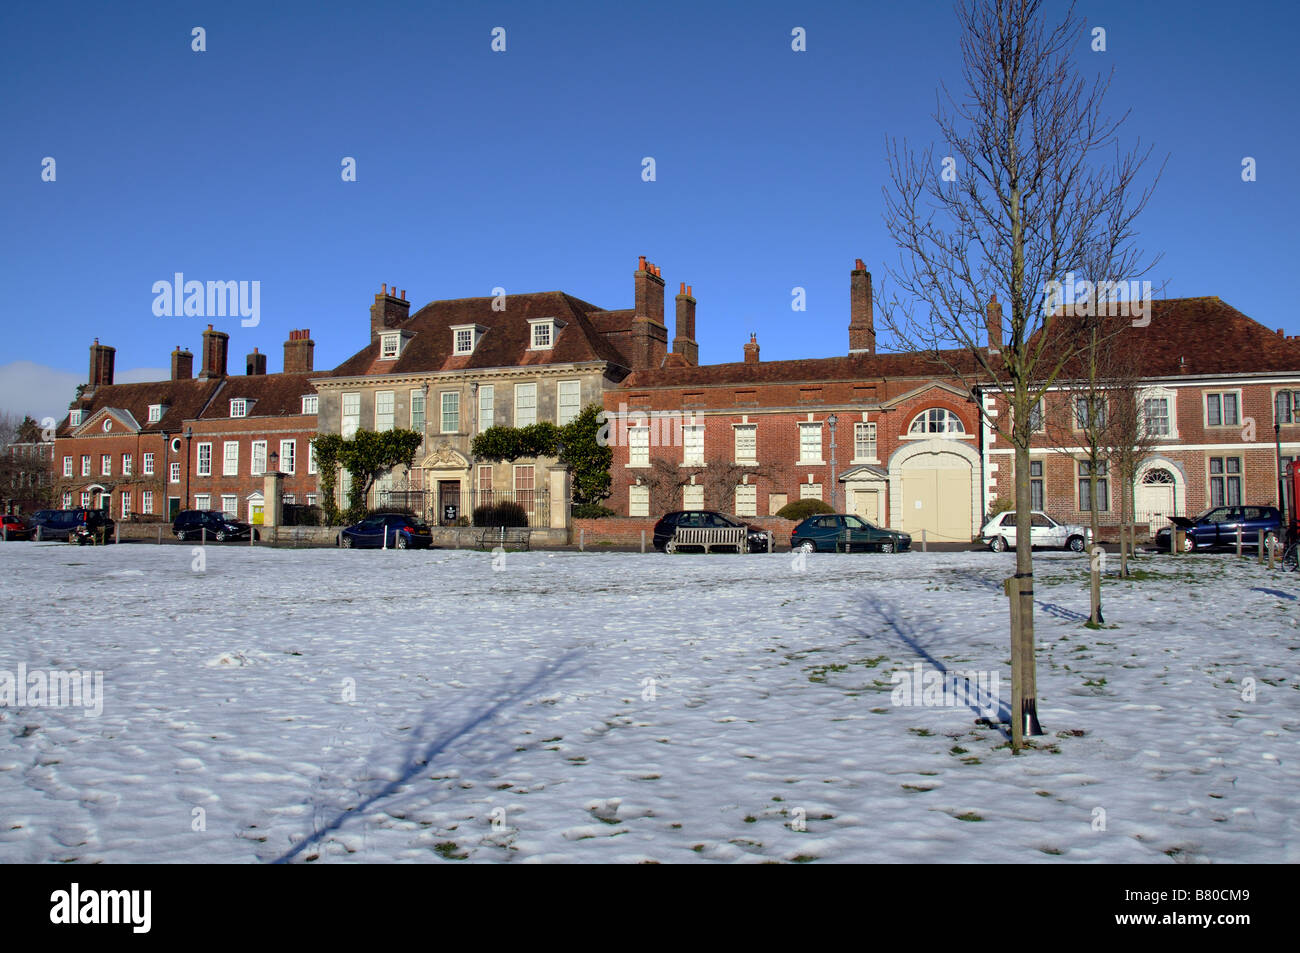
(640, 266)
(683, 291)
(403, 294)
(862, 326)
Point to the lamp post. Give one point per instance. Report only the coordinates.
(189, 435)
(1277, 441)
(833, 420)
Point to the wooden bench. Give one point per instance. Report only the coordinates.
(507, 537)
(727, 537)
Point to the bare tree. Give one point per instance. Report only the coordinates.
(25, 466)
(1036, 186)
(717, 477)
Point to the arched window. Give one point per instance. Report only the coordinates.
(1157, 477)
(937, 420)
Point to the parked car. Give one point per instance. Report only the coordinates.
(999, 533)
(846, 532)
(758, 539)
(61, 524)
(394, 530)
(190, 524)
(13, 526)
(1216, 528)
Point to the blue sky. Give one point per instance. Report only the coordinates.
(522, 169)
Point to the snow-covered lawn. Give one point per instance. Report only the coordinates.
(620, 707)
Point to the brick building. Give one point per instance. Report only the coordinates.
(456, 367)
(1213, 383)
(898, 439)
(888, 436)
(148, 450)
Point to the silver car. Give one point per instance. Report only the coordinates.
(999, 533)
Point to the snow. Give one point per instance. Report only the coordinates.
(330, 705)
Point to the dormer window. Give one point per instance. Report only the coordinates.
(239, 407)
(155, 413)
(542, 332)
(465, 337)
(74, 418)
(390, 345)
(310, 403)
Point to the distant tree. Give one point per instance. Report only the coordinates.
(366, 456)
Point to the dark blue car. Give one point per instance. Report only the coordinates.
(390, 530)
(1216, 528)
(846, 533)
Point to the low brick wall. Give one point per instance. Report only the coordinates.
(626, 530)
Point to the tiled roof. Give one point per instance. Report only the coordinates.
(851, 367)
(504, 344)
(270, 395)
(184, 400)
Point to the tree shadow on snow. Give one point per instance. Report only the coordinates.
(421, 754)
(912, 638)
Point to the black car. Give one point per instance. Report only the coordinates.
(62, 524)
(1216, 528)
(758, 539)
(387, 530)
(190, 524)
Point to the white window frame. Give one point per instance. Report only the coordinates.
(417, 394)
(693, 496)
(948, 419)
(146, 501)
(126, 504)
(487, 406)
(810, 491)
(74, 418)
(258, 449)
(229, 460)
(85, 499)
(743, 456)
(575, 388)
(385, 410)
(693, 445)
(638, 446)
(311, 403)
(349, 420)
(67, 499)
(805, 428)
(147, 464)
(531, 391)
(861, 427)
(541, 327)
(1223, 422)
(67, 466)
(443, 411)
(390, 346)
(1170, 397)
(128, 464)
(203, 501)
(638, 500)
(231, 510)
(238, 407)
(174, 474)
(199, 468)
(311, 458)
(289, 457)
(105, 464)
(155, 413)
(746, 499)
(85, 464)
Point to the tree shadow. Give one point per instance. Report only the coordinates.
(908, 633)
(420, 754)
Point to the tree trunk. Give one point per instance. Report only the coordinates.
(1024, 714)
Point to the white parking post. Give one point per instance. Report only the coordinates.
(582, 540)
(925, 544)
(203, 534)
(117, 532)
(1238, 540)
(643, 541)
(1272, 550)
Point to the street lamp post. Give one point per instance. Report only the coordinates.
(833, 420)
(189, 435)
(1277, 439)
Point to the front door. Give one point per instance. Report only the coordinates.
(173, 507)
(448, 502)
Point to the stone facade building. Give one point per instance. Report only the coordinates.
(456, 367)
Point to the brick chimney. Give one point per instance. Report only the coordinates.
(215, 346)
(993, 322)
(684, 343)
(182, 364)
(862, 327)
(751, 350)
(299, 352)
(649, 343)
(256, 363)
(101, 364)
(389, 311)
